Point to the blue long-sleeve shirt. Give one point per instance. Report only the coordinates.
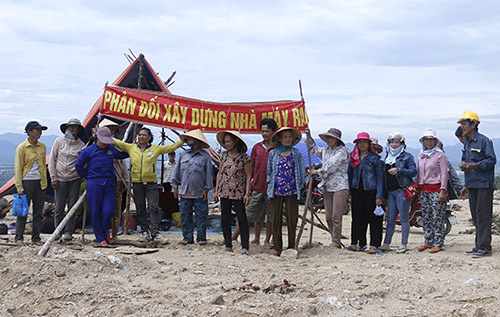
(193, 171)
(99, 163)
(479, 150)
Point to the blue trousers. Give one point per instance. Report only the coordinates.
(101, 199)
(200, 208)
(397, 204)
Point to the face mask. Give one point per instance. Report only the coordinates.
(192, 145)
(68, 135)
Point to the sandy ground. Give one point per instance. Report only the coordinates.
(82, 280)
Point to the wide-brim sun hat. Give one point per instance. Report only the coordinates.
(334, 133)
(104, 135)
(363, 136)
(429, 133)
(197, 135)
(220, 138)
(276, 139)
(73, 121)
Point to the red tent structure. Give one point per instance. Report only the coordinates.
(139, 74)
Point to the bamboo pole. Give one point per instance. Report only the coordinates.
(84, 220)
(60, 227)
(308, 203)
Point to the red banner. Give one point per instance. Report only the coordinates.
(166, 110)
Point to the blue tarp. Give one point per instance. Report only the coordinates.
(303, 149)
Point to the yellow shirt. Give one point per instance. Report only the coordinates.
(144, 163)
(26, 154)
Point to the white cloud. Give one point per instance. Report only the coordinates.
(373, 65)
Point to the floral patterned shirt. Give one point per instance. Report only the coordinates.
(285, 179)
(232, 177)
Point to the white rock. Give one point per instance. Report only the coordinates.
(115, 261)
(290, 254)
(471, 281)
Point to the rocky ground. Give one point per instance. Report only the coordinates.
(82, 280)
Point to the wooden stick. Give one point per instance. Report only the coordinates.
(319, 225)
(308, 203)
(7, 208)
(167, 82)
(10, 244)
(84, 220)
(60, 227)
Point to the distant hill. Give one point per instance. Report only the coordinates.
(7, 151)
(10, 141)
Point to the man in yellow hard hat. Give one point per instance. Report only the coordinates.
(478, 164)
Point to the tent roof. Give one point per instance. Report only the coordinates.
(128, 78)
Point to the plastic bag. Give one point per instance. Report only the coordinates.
(20, 206)
(379, 211)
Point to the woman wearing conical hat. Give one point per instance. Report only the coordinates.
(191, 181)
(233, 186)
(285, 175)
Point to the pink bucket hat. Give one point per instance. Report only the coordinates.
(363, 136)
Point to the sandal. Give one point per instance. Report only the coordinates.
(184, 242)
(103, 244)
(351, 248)
(424, 247)
(372, 250)
(203, 242)
(276, 253)
(110, 240)
(227, 249)
(435, 249)
(245, 252)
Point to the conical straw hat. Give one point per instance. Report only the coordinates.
(220, 138)
(106, 123)
(297, 136)
(196, 134)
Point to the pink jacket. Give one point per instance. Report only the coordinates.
(432, 169)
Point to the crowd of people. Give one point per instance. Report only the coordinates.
(263, 187)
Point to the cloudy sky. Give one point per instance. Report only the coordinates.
(371, 65)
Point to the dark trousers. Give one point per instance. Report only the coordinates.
(66, 193)
(481, 209)
(36, 197)
(226, 205)
(292, 215)
(142, 192)
(363, 205)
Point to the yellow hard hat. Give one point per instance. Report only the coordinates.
(469, 115)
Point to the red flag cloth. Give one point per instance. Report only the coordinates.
(167, 110)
